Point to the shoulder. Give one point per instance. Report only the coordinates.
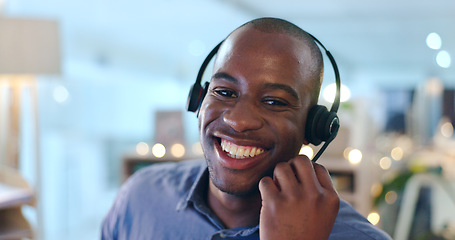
(350, 224)
(152, 189)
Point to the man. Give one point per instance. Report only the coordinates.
(253, 184)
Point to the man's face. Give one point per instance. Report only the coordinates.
(255, 110)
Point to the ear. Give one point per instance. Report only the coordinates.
(305, 140)
(304, 137)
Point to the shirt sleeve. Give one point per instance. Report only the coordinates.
(108, 231)
(114, 218)
(350, 224)
(110, 225)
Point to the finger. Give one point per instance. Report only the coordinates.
(323, 176)
(285, 177)
(268, 188)
(305, 172)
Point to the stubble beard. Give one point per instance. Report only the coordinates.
(230, 187)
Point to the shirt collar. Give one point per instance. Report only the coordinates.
(196, 193)
(196, 197)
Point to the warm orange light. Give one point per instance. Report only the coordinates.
(397, 153)
(178, 150)
(385, 163)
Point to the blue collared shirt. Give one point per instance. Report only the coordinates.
(168, 201)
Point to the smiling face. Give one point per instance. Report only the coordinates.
(255, 110)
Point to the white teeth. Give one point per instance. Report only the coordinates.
(259, 151)
(240, 152)
(253, 152)
(236, 151)
(233, 149)
(247, 152)
(225, 146)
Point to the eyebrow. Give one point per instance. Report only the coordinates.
(279, 86)
(283, 87)
(225, 76)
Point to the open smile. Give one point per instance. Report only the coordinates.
(240, 152)
(233, 156)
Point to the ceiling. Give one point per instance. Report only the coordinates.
(377, 42)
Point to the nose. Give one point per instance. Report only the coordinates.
(243, 117)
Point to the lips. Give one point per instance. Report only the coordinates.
(240, 152)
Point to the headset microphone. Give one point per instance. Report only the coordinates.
(322, 125)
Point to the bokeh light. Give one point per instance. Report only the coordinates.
(178, 150)
(142, 148)
(374, 218)
(158, 150)
(397, 153)
(385, 163)
(434, 41)
(307, 150)
(355, 156)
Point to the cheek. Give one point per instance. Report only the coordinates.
(208, 118)
(291, 136)
(208, 113)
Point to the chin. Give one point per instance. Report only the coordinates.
(236, 182)
(236, 190)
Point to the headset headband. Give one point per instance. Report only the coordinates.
(336, 101)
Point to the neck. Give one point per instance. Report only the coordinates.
(234, 211)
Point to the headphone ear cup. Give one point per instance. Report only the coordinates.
(311, 126)
(201, 98)
(332, 123)
(194, 98)
(321, 125)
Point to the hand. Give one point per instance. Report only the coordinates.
(300, 202)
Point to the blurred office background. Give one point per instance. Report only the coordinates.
(125, 67)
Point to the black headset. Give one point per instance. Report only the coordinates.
(321, 126)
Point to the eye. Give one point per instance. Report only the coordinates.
(275, 102)
(225, 92)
